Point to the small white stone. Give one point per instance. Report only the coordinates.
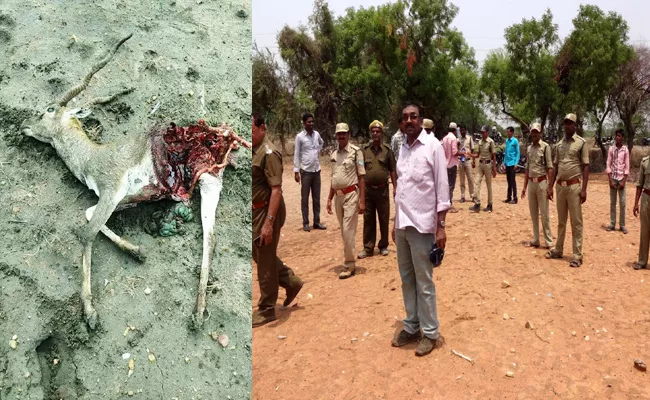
(510, 374)
(126, 356)
(512, 350)
(506, 316)
(586, 338)
(147, 291)
(573, 333)
(281, 337)
(600, 309)
(505, 284)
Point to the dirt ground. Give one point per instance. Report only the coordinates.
(338, 334)
(187, 60)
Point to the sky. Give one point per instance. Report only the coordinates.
(482, 22)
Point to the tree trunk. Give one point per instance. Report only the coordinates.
(629, 127)
(599, 139)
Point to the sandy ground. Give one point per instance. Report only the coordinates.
(181, 52)
(338, 335)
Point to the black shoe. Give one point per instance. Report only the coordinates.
(476, 207)
(306, 228)
(462, 199)
(488, 208)
(320, 226)
(513, 201)
(404, 338)
(507, 201)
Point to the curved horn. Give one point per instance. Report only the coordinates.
(80, 88)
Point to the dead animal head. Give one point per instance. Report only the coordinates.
(57, 119)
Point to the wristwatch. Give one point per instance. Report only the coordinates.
(442, 224)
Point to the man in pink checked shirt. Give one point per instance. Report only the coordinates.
(618, 169)
(421, 204)
(450, 145)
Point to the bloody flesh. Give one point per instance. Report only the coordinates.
(182, 154)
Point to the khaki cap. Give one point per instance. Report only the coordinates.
(427, 124)
(453, 125)
(376, 124)
(342, 127)
(536, 127)
(571, 117)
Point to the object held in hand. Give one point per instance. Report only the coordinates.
(435, 255)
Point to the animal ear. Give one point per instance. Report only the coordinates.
(80, 112)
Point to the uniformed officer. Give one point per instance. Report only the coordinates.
(268, 218)
(539, 164)
(466, 163)
(349, 188)
(570, 161)
(379, 164)
(487, 168)
(643, 193)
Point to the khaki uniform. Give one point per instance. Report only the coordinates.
(465, 168)
(485, 151)
(570, 157)
(378, 165)
(644, 210)
(539, 161)
(347, 168)
(271, 271)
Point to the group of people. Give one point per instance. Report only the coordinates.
(422, 171)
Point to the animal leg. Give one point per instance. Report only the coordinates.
(210, 192)
(102, 212)
(123, 244)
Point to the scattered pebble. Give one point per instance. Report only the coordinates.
(310, 296)
(223, 340)
(131, 366)
(586, 338)
(510, 374)
(56, 361)
(640, 365)
(505, 284)
(187, 360)
(152, 358)
(512, 350)
(506, 316)
(147, 291)
(126, 356)
(353, 339)
(529, 325)
(573, 333)
(281, 337)
(366, 334)
(130, 393)
(600, 309)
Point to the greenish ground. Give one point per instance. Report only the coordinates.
(193, 58)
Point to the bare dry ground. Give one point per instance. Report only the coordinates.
(337, 343)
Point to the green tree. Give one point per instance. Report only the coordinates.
(590, 61)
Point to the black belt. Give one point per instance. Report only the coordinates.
(485, 161)
(383, 185)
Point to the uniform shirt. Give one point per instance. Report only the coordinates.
(644, 174)
(467, 144)
(422, 185)
(347, 166)
(618, 162)
(266, 172)
(485, 149)
(378, 164)
(396, 143)
(450, 146)
(305, 155)
(539, 159)
(512, 155)
(570, 156)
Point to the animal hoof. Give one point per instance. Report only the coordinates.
(139, 254)
(91, 319)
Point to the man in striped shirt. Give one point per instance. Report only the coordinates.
(618, 169)
(421, 204)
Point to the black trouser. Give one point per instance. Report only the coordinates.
(377, 205)
(512, 183)
(451, 177)
(310, 181)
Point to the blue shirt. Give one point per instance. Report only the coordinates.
(511, 157)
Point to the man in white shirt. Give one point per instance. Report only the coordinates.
(306, 168)
(421, 205)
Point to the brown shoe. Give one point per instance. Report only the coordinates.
(404, 338)
(427, 345)
(259, 319)
(292, 292)
(346, 273)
